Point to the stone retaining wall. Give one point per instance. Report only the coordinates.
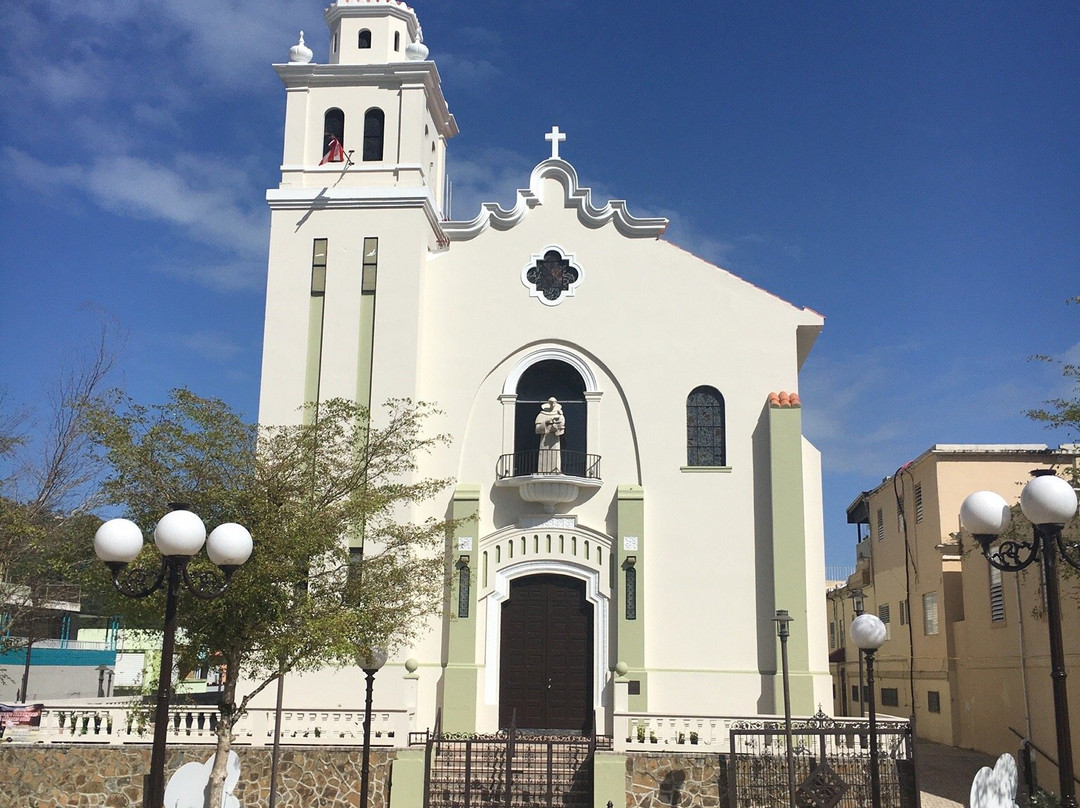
(84, 776)
(686, 781)
(70, 776)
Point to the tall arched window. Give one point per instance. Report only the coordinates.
(365, 39)
(333, 129)
(706, 443)
(397, 40)
(551, 378)
(374, 121)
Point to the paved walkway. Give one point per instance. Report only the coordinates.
(945, 774)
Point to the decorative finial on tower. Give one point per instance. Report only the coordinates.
(556, 137)
(300, 53)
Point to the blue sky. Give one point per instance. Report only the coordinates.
(909, 170)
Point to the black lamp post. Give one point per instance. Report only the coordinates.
(783, 631)
(179, 536)
(1048, 502)
(857, 600)
(868, 633)
(370, 660)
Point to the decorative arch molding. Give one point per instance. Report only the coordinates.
(501, 592)
(575, 361)
(492, 214)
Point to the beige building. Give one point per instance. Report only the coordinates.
(967, 649)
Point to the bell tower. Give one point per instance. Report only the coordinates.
(378, 98)
(356, 214)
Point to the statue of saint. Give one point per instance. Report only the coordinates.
(550, 426)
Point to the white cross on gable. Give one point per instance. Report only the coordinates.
(556, 137)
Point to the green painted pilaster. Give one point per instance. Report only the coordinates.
(407, 779)
(313, 362)
(461, 670)
(365, 350)
(609, 779)
(630, 643)
(789, 551)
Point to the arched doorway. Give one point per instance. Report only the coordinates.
(546, 654)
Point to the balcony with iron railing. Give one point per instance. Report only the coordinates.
(550, 478)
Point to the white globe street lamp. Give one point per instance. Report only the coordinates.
(179, 536)
(370, 660)
(1048, 502)
(868, 633)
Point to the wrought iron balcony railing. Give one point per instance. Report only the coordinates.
(570, 464)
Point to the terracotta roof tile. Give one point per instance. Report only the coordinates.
(784, 399)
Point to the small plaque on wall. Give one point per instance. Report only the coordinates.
(464, 543)
(633, 687)
(629, 542)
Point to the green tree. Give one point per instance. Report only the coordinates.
(1062, 413)
(302, 491)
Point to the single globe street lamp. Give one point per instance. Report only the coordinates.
(370, 661)
(1048, 502)
(868, 634)
(857, 601)
(179, 536)
(783, 631)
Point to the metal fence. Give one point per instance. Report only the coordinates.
(509, 769)
(831, 761)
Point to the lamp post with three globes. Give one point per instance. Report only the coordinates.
(1048, 502)
(179, 536)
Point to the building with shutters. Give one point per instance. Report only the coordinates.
(967, 651)
(643, 498)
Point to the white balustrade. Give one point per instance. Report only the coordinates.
(710, 734)
(647, 732)
(115, 721)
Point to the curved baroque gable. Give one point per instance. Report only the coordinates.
(493, 215)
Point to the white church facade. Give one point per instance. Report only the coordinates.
(643, 498)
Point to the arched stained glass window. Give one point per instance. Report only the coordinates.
(364, 41)
(706, 443)
(374, 122)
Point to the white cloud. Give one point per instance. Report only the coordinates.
(683, 232)
(872, 410)
(147, 190)
(212, 345)
(465, 74)
(229, 276)
(218, 213)
(489, 175)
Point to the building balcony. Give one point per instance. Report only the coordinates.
(549, 478)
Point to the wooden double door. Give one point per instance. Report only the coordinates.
(546, 655)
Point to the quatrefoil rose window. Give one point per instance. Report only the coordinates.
(551, 276)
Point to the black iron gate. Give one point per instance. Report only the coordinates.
(509, 769)
(831, 762)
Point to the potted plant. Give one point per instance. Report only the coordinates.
(641, 733)
(693, 738)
